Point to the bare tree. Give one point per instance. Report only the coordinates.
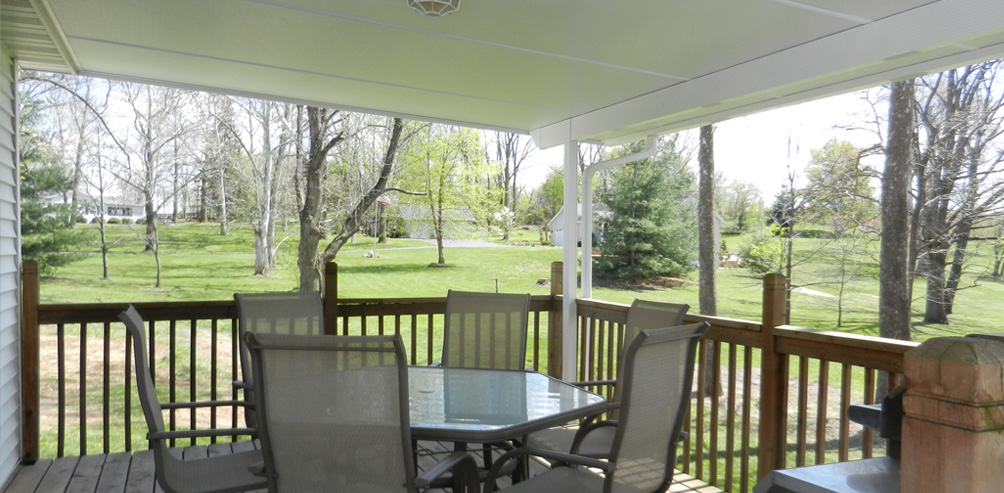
(959, 116)
(511, 150)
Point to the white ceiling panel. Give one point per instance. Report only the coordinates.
(559, 69)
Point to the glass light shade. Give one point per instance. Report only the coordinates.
(434, 8)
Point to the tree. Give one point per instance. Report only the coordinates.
(322, 137)
(739, 202)
(378, 185)
(707, 247)
(960, 118)
(651, 231)
(158, 120)
(46, 225)
(894, 275)
(439, 163)
(838, 193)
(511, 150)
(545, 201)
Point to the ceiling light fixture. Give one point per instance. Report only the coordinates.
(434, 8)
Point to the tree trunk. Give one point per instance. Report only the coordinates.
(894, 266)
(262, 246)
(311, 212)
(707, 248)
(962, 233)
(224, 222)
(351, 223)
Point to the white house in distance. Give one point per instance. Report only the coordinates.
(556, 224)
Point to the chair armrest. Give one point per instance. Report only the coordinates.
(594, 383)
(869, 415)
(241, 384)
(198, 404)
(587, 428)
(464, 469)
(551, 455)
(217, 432)
(258, 469)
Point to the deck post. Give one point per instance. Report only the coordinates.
(952, 438)
(773, 380)
(29, 361)
(554, 339)
(330, 298)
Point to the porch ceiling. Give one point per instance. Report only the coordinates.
(558, 69)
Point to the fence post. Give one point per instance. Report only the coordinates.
(554, 341)
(331, 298)
(29, 361)
(773, 380)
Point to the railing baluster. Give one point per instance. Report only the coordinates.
(700, 424)
(82, 391)
(61, 390)
(716, 390)
(845, 402)
(730, 416)
(127, 393)
(868, 435)
(234, 358)
(172, 374)
(193, 344)
(803, 411)
(744, 466)
(106, 351)
(821, 413)
(213, 357)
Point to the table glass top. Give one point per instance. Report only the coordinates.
(468, 399)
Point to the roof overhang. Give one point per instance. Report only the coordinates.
(559, 70)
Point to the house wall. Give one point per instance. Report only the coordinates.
(10, 262)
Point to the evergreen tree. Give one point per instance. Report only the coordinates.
(652, 229)
(46, 225)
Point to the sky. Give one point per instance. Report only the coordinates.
(759, 148)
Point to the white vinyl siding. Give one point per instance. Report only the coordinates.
(10, 285)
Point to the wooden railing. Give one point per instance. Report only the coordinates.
(768, 402)
(774, 396)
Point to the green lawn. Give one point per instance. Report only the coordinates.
(199, 264)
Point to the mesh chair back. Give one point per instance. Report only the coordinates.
(641, 316)
(658, 376)
(297, 313)
(333, 412)
(144, 382)
(485, 330)
(650, 315)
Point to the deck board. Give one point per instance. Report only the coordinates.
(134, 472)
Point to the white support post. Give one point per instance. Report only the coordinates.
(570, 236)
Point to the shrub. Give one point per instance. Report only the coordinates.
(114, 220)
(126, 220)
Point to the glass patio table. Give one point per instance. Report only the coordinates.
(469, 405)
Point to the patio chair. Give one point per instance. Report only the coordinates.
(485, 330)
(222, 473)
(333, 416)
(596, 439)
(656, 382)
(298, 313)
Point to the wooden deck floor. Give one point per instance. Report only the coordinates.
(134, 472)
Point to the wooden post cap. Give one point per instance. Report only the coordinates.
(956, 381)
